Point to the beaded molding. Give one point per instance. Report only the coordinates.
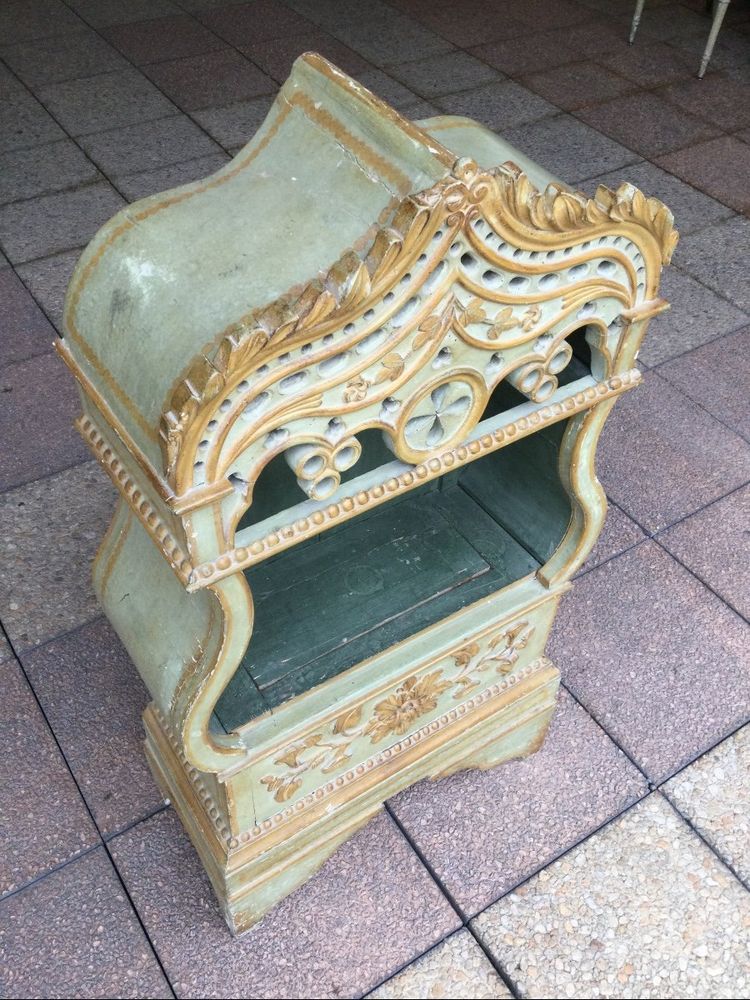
(242, 557)
(210, 807)
(136, 498)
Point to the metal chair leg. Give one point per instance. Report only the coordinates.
(637, 19)
(719, 12)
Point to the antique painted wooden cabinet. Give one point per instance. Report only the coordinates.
(349, 389)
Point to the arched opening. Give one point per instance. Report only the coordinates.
(370, 582)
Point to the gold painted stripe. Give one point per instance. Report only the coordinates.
(116, 548)
(92, 393)
(387, 170)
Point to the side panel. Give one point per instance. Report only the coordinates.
(165, 629)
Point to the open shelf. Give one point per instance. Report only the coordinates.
(371, 582)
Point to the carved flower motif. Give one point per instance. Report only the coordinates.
(356, 390)
(438, 416)
(414, 698)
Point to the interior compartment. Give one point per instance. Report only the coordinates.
(373, 581)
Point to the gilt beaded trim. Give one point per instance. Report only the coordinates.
(136, 498)
(210, 807)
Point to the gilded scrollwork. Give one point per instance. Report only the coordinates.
(502, 201)
(329, 749)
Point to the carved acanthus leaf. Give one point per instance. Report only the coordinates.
(560, 210)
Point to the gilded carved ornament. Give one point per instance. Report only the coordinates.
(326, 751)
(508, 200)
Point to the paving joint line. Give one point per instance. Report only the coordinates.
(41, 876)
(689, 823)
(459, 910)
(49, 475)
(103, 843)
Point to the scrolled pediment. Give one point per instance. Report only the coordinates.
(481, 274)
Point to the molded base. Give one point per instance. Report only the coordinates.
(250, 873)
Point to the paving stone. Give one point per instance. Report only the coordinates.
(648, 124)
(93, 698)
(468, 23)
(49, 533)
(377, 31)
(714, 794)
(649, 65)
(715, 376)
(116, 99)
(498, 106)
(551, 48)
(259, 21)
(662, 457)
(718, 257)
(40, 402)
(597, 38)
(148, 145)
(305, 947)
(47, 280)
(730, 53)
(62, 57)
(561, 14)
(671, 21)
(275, 56)
(618, 534)
(74, 934)
(717, 99)
(24, 329)
(444, 74)
(578, 84)
(101, 12)
(386, 88)
(484, 832)
(713, 544)
(657, 659)
(456, 968)
(642, 909)
(51, 223)
(161, 38)
(150, 182)
(21, 21)
(213, 78)
(691, 208)
(235, 124)
(515, 57)
(696, 316)
(419, 110)
(569, 149)
(24, 123)
(720, 168)
(52, 167)
(43, 821)
(9, 85)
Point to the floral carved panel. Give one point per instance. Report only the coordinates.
(355, 734)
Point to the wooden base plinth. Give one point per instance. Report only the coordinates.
(252, 870)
